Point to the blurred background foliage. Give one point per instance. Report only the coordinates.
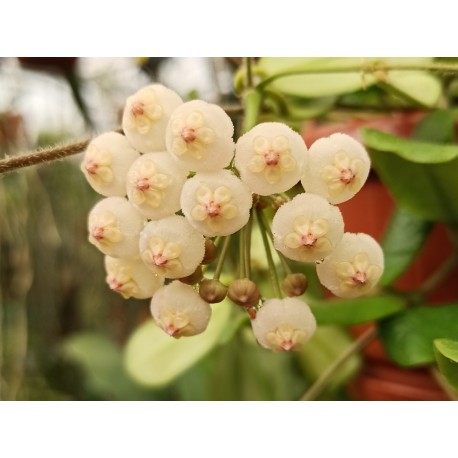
(65, 335)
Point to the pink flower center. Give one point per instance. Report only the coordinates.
(213, 209)
(272, 158)
(91, 167)
(360, 277)
(287, 345)
(171, 330)
(137, 109)
(142, 184)
(188, 135)
(98, 233)
(160, 260)
(347, 176)
(308, 240)
(115, 285)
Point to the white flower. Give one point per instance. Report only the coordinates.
(270, 158)
(307, 228)
(114, 226)
(337, 168)
(179, 310)
(199, 136)
(354, 267)
(284, 324)
(106, 161)
(171, 247)
(216, 203)
(131, 278)
(146, 115)
(154, 183)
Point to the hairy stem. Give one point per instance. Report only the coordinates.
(320, 384)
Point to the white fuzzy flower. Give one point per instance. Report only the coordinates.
(337, 168)
(154, 183)
(106, 161)
(114, 226)
(284, 324)
(307, 228)
(179, 310)
(131, 278)
(171, 247)
(199, 136)
(146, 115)
(216, 203)
(354, 267)
(270, 158)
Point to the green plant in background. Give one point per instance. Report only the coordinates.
(225, 362)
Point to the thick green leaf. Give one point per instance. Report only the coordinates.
(426, 187)
(301, 109)
(154, 359)
(408, 337)
(447, 359)
(413, 151)
(401, 243)
(437, 127)
(329, 84)
(355, 311)
(420, 87)
(101, 361)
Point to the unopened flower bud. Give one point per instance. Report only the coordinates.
(179, 310)
(210, 252)
(194, 278)
(212, 291)
(244, 292)
(295, 284)
(284, 324)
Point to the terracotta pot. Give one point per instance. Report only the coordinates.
(370, 211)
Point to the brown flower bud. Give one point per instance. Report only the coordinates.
(210, 252)
(244, 292)
(295, 284)
(194, 278)
(212, 291)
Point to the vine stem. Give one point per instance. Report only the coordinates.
(247, 252)
(320, 384)
(364, 68)
(270, 260)
(38, 157)
(242, 240)
(222, 257)
(439, 275)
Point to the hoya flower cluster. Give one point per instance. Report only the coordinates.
(176, 181)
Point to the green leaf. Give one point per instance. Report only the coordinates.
(101, 361)
(318, 84)
(446, 352)
(301, 109)
(421, 176)
(413, 151)
(154, 359)
(355, 311)
(420, 87)
(401, 243)
(408, 337)
(437, 127)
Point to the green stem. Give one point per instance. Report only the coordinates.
(320, 384)
(222, 257)
(364, 68)
(272, 268)
(247, 252)
(252, 99)
(439, 275)
(248, 61)
(242, 273)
